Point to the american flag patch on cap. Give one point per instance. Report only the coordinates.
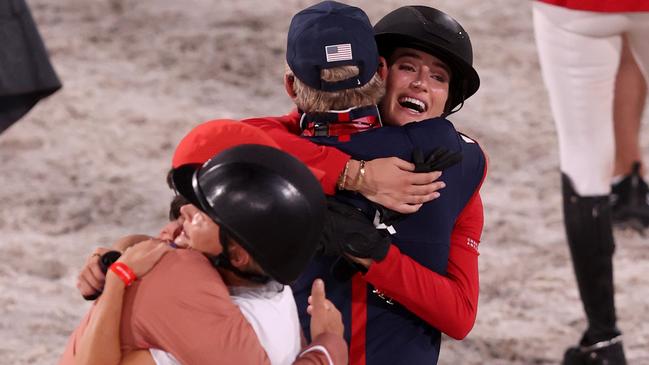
(339, 52)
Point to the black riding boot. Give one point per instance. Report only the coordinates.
(590, 238)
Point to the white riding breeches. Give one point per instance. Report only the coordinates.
(579, 52)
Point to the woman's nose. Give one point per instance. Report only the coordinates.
(185, 211)
(418, 84)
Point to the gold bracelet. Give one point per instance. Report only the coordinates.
(342, 179)
(359, 175)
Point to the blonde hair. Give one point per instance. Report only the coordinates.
(309, 99)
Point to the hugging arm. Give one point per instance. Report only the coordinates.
(388, 181)
(91, 278)
(100, 342)
(447, 302)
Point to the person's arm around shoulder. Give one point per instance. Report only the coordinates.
(447, 302)
(388, 181)
(100, 343)
(91, 278)
(392, 183)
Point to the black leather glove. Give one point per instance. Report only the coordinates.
(439, 159)
(348, 232)
(342, 269)
(388, 216)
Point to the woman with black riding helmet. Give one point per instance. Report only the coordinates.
(430, 74)
(241, 202)
(435, 38)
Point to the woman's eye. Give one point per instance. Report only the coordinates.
(406, 67)
(439, 77)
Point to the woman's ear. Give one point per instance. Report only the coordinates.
(289, 85)
(383, 68)
(239, 257)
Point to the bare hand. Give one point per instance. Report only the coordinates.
(324, 315)
(143, 256)
(91, 279)
(392, 183)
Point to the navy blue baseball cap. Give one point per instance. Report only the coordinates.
(330, 34)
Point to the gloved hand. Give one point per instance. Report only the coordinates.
(343, 269)
(349, 232)
(439, 159)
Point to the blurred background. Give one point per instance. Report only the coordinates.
(88, 164)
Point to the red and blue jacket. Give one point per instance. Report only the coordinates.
(428, 282)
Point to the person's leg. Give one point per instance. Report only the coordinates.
(590, 238)
(579, 72)
(579, 62)
(628, 106)
(630, 192)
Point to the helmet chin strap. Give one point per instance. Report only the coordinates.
(223, 261)
(457, 109)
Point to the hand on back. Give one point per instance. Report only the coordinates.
(392, 183)
(143, 256)
(91, 279)
(325, 317)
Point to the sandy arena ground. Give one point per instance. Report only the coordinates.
(88, 164)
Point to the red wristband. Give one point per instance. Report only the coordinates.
(123, 272)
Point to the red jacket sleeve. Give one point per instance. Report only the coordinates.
(448, 303)
(285, 131)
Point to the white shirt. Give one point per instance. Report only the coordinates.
(272, 313)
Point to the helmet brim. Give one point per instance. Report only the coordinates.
(268, 201)
(182, 178)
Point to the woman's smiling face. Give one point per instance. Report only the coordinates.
(417, 87)
(199, 232)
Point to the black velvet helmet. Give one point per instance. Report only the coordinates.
(269, 202)
(434, 32)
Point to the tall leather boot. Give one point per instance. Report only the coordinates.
(590, 238)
